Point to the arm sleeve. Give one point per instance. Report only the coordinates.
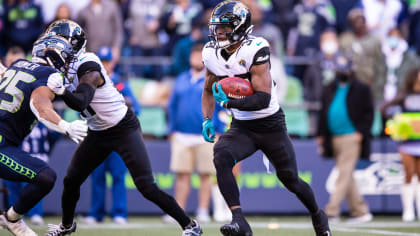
(80, 99)
(257, 101)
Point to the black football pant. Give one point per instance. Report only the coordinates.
(239, 142)
(128, 143)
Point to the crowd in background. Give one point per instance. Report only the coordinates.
(153, 39)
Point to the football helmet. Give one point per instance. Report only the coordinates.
(71, 31)
(233, 14)
(54, 51)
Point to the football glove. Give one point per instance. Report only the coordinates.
(208, 131)
(219, 95)
(56, 83)
(76, 130)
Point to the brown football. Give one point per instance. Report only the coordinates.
(236, 88)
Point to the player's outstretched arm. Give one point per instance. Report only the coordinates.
(261, 84)
(80, 99)
(42, 107)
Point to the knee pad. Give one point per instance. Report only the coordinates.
(46, 178)
(223, 159)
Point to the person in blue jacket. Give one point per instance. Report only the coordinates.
(189, 151)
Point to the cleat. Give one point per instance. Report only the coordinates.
(59, 230)
(18, 228)
(193, 230)
(320, 223)
(238, 227)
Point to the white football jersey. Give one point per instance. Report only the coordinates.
(107, 107)
(238, 65)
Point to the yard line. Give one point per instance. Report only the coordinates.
(375, 231)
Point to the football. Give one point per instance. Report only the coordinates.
(235, 87)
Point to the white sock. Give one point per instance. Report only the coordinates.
(407, 198)
(12, 215)
(418, 199)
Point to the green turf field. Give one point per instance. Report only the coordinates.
(262, 226)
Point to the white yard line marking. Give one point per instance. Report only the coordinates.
(338, 227)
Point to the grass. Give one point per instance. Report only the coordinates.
(262, 226)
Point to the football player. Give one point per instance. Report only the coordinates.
(112, 127)
(24, 100)
(258, 121)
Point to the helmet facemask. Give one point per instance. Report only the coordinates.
(54, 51)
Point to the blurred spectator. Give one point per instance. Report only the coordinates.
(264, 29)
(49, 8)
(102, 22)
(23, 23)
(342, 8)
(279, 76)
(189, 151)
(182, 50)
(13, 54)
(63, 12)
(409, 149)
(314, 17)
(382, 15)
(113, 164)
(414, 28)
(281, 14)
(344, 129)
(144, 28)
(365, 51)
(399, 61)
(321, 73)
(178, 21)
(2, 46)
(37, 144)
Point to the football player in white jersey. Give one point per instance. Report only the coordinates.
(112, 127)
(258, 121)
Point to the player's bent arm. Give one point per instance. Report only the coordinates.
(80, 99)
(42, 108)
(207, 100)
(261, 84)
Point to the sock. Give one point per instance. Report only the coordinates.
(12, 215)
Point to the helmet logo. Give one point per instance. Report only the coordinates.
(240, 9)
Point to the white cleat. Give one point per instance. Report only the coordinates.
(18, 228)
(60, 230)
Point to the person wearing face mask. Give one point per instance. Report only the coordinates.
(345, 122)
(399, 61)
(321, 72)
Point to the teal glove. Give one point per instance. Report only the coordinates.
(219, 95)
(208, 131)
